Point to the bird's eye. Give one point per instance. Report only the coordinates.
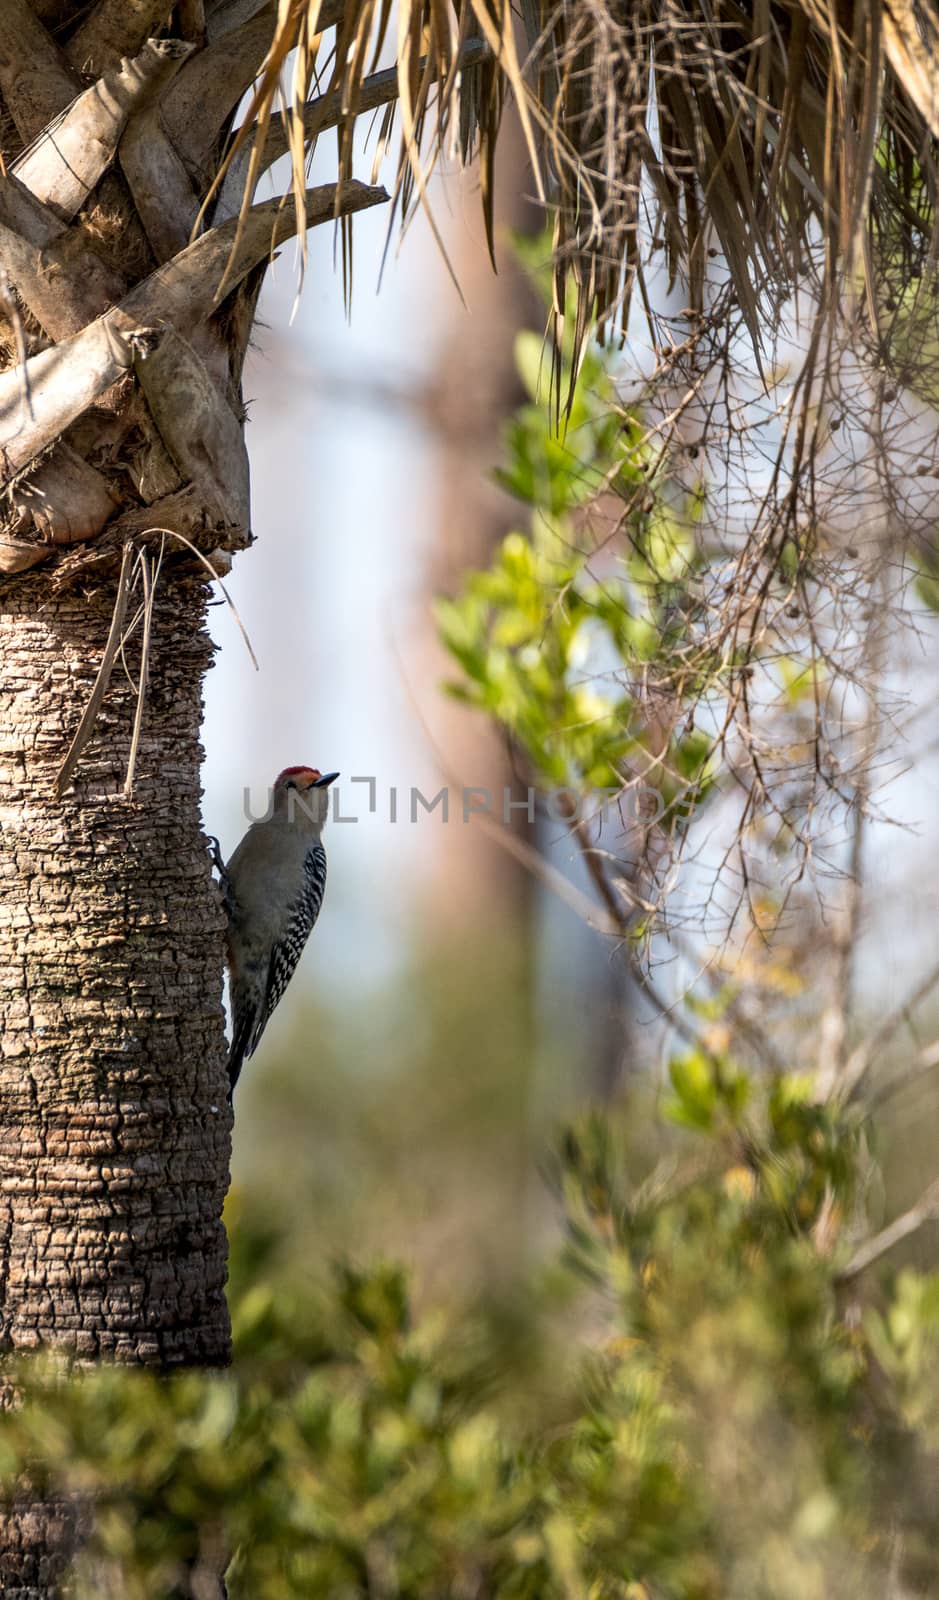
(291, 784)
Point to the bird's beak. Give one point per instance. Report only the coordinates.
(325, 780)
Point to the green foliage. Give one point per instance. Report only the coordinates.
(557, 471)
(685, 1406)
(902, 1337)
(548, 649)
(705, 1091)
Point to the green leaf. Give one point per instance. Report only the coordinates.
(696, 1098)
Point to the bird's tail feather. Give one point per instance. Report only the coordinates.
(242, 1029)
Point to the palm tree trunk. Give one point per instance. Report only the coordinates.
(114, 1121)
(38, 1539)
(121, 447)
(114, 1126)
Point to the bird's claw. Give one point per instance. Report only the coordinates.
(224, 881)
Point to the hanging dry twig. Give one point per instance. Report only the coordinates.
(173, 533)
(149, 574)
(83, 731)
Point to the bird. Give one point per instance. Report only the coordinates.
(273, 888)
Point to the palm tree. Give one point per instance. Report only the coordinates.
(133, 252)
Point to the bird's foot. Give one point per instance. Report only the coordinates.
(224, 880)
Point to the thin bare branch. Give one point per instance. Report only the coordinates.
(922, 1064)
(832, 1061)
(669, 1013)
(925, 1210)
(862, 1057)
(622, 915)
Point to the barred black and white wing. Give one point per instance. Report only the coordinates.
(287, 953)
(253, 1005)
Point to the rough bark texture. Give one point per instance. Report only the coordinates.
(38, 1539)
(114, 1125)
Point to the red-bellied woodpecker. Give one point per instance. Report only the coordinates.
(274, 885)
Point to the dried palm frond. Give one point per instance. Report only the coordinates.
(790, 136)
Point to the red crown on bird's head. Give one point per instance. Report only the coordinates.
(304, 778)
(310, 773)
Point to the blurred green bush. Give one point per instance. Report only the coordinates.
(691, 1400)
